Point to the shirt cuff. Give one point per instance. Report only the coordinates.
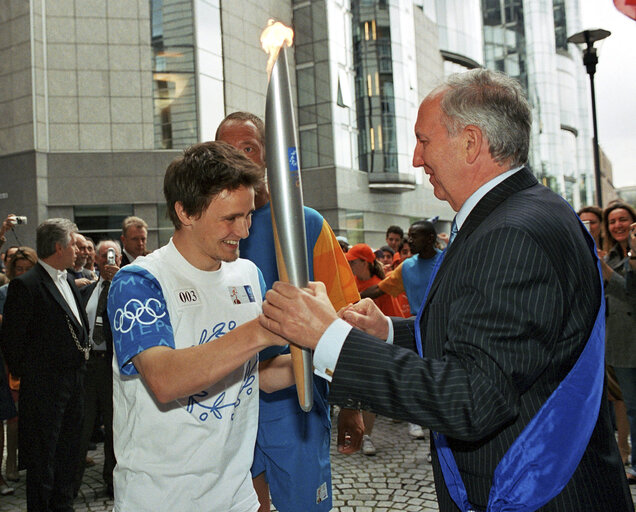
(328, 349)
(389, 338)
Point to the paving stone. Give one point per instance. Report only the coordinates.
(398, 478)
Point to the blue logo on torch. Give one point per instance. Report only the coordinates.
(293, 159)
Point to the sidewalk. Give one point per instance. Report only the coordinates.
(398, 478)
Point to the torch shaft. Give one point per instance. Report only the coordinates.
(288, 218)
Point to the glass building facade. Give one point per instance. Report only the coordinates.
(173, 72)
(374, 91)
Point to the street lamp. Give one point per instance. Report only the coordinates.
(590, 60)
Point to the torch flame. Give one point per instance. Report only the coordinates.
(273, 37)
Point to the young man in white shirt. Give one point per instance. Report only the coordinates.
(186, 339)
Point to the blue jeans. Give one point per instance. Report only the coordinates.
(627, 381)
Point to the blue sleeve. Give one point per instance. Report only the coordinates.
(261, 280)
(138, 315)
(274, 350)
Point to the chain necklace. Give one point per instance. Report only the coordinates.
(86, 350)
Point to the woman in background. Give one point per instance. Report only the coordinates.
(369, 271)
(620, 349)
(21, 262)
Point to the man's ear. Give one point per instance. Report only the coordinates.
(472, 142)
(181, 213)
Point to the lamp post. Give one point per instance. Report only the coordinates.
(590, 60)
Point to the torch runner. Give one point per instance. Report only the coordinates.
(286, 197)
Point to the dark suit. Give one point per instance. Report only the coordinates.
(39, 348)
(124, 259)
(507, 316)
(98, 388)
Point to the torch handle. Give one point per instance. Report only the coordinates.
(301, 360)
(288, 218)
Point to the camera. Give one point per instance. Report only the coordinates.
(110, 256)
(19, 219)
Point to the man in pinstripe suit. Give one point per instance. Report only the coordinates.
(508, 314)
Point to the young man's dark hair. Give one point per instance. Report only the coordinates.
(395, 229)
(205, 170)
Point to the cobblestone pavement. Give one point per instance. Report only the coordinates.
(397, 478)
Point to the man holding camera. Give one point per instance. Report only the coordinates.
(8, 224)
(98, 384)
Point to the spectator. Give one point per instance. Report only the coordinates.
(7, 224)
(134, 235)
(344, 243)
(593, 215)
(409, 276)
(90, 257)
(368, 271)
(394, 235)
(98, 383)
(404, 250)
(23, 260)
(620, 352)
(81, 275)
(7, 254)
(45, 343)
(385, 257)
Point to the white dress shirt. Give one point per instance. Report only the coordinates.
(131, 258)
(330, 344)
(91, 310)
(59, 278)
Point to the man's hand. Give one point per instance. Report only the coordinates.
(350, 431)
(366, 316)
(300, 315)
(82, 281)
(109, 272)
(8, 223)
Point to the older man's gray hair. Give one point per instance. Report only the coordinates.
(51, 232)
(496, 104)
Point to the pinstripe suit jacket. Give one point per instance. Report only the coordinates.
(507, 316)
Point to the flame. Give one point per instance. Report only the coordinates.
(273, 37)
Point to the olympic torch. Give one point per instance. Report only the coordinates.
(286, 197)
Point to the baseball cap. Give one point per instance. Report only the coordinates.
(361, 252)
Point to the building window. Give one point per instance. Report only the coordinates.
(375, 103)
(354, 226)
(504, 38)
(560, 25)
(175, 114)
(101, 221)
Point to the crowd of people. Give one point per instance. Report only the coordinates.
(472, 334)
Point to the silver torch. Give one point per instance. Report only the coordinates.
(286, 196)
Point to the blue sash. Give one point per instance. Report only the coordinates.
(544, 457)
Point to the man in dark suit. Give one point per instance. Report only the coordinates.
(98, 383)
(45, 342)
(134, 235)
(508, 315)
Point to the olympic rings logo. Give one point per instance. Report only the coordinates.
(133, 311)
